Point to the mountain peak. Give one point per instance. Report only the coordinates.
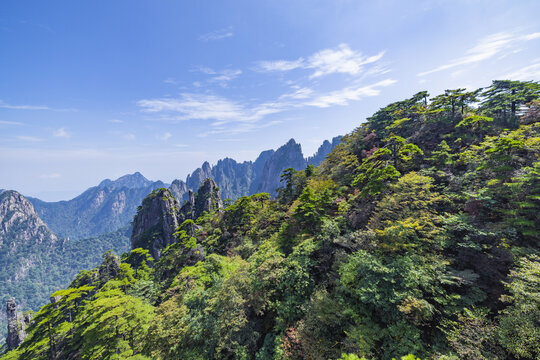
(130, 181)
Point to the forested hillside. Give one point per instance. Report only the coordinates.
(417, 237)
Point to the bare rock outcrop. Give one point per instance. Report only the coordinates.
(17, 324)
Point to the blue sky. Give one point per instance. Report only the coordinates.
(97, 89)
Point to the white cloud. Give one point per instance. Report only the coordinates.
(62, 133)
(129, 136)
(164, 137)
(280, 65)
(223, 111)
(531, 72)
(4, 105)
(199, 106)
(2, 122)
(344, 96)
(218, 76)
(532, 36)
(28, 138)
(116, 121)
(342, 59)
(485, 49)
(229, 116)
(170, 81)
(239, 128)
(301, 93)
(217, 34)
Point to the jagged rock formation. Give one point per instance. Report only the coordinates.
(207, 198)
(179, 190)
(160, 215)
(19, 223)
(100, 209)
(323, 151)
(263, 175)
(287, 156)
(34, 262)
(17, 324)
(155, 223)
(196, 178)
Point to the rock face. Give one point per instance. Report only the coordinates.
(263, 175)
(179, 190)
(196, 178)
(155, 223)
(100, 209)
(160, 215)
(287, 156)
(19, 223)
(323, 151)
(17, 324)
(207, 198)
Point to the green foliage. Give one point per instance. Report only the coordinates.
(519, 332)
(378, 253)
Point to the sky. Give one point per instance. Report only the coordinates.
(97, 89)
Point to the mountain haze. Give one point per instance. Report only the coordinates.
(100, 209)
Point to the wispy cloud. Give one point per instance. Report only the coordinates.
(221, 77)
(342, 59)
(3, 122)
(531, 72)
(217, 34)
(170, 81)
(230, 116)
(281, 65)
(237, 129)
(485, 49)
(28, 138)
(62, 133)
(226, 111)
(129, 136)
(344, 96)
(116, 121)
(4, 105)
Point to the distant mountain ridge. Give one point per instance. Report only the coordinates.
(100, 209)
(113, 203)
(262, 175)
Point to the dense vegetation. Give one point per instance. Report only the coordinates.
(418, 235)
(54, 267)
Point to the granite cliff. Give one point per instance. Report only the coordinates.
(262, 175)
(160, 215)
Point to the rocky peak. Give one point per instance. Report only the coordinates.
(288, 156)
(130, 181)
(160, 215)
(323, 151)
(17, 324)
(155, 222)
(179, 190)
(19, 223)
(207, 198)
(198, 176)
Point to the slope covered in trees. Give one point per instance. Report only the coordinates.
(417, 237)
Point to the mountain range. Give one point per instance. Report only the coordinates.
(113, 203)
(44, 244)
